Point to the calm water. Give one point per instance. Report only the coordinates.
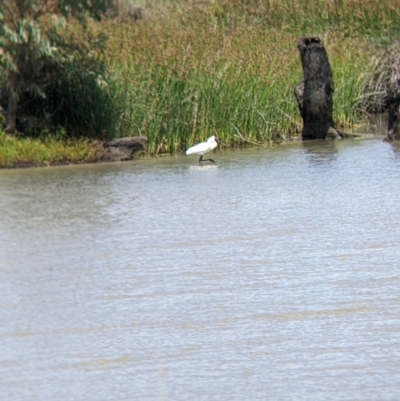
(273, 275)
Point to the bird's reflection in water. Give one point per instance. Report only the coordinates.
(204, 167)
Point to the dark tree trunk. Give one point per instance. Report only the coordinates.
(393, 108)
(393, 102)
(11, 115)
(314, 95)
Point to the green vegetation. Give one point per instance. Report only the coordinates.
(49, 61)
(188, 70)
(22, 152)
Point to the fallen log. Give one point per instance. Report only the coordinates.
(123, 148)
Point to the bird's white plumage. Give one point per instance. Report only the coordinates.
(203, 147)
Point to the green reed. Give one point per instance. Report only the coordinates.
(228, 70)
(174, 112)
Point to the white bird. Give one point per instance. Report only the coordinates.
(204, 147)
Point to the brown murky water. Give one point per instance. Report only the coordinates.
(272, 275)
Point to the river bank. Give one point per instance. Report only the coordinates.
(46, 152)
(186, 70)
(35, 153)
(18, 152)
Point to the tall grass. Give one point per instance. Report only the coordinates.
(174, 111)
(192, 69)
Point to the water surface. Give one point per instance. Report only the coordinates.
(271, 275)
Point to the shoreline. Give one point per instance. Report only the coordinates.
(102, 154)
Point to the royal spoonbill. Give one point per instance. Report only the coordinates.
(204, 147)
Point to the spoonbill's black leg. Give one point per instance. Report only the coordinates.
(205, 160)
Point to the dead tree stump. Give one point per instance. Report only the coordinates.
(393, 102)
(314, 94)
